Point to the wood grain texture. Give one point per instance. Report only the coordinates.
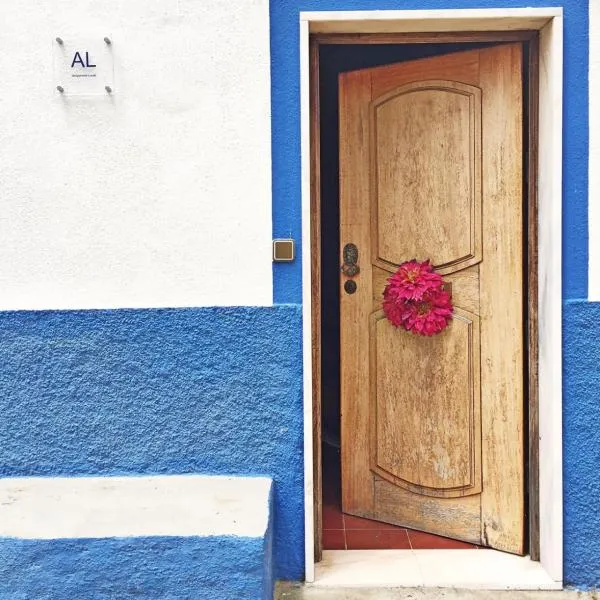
(501, 289)
(425, 161)
(458, 66)
(373, 488)
(315, 244)
(426, 26)
(424, 38)
(426, 424)
(532, 288)
(355, 96)
(452, 517)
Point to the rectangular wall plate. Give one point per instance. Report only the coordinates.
(283, 250)
(83, 65)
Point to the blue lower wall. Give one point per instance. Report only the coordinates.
(169, 568)
(214, 390)
(219, 391)
(581, 430)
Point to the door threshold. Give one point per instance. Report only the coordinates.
(467, 569)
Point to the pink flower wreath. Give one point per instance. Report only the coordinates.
(414, 299)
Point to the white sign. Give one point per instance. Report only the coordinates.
(84, 66)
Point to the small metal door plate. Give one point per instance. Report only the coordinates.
(350, 254)
(283, 250)
(350, 270)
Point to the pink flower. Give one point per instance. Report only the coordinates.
(428, 316)
(415, 300)
(395, 310)
(412, 280)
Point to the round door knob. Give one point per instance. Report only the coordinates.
(350, 286)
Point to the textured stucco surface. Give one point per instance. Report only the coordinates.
(285, 102)
(172, 568)
(158, 195)
(214, 391)
(581, 428)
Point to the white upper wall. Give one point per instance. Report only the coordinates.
(157, 196)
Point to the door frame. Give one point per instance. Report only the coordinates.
(545, 253)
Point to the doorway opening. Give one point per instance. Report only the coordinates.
(470, 568)
(334, 529)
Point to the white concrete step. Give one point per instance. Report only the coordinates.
(175, 536)
(294, 591)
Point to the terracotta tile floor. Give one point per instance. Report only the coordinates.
(347, 532)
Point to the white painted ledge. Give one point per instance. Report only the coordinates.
(101, 507)
(469, 569)
(423, 21)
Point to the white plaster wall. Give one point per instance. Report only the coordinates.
(594, 156)
(157, 196)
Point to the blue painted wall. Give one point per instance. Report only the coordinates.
(166, 568)
(581, 428)
(215, 391)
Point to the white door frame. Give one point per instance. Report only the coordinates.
(440, 568)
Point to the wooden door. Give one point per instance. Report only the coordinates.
(431, 167)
